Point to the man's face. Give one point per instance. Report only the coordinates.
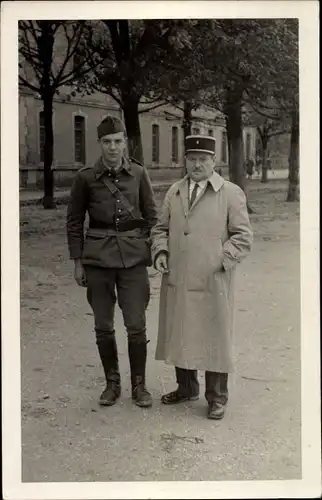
(199, 166)
(113, 147)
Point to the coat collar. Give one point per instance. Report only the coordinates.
(100, 168)
(216, 181)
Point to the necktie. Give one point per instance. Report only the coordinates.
(194, 194)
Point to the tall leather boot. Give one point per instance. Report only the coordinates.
(107, 349)
(137, 358)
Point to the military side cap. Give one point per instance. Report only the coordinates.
(110, 125)
(200, 143)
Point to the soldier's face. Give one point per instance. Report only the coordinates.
(199, 166)
(113, 147)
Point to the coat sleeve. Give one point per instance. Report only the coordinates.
(237, 247)
(76, 212)
(160, 232)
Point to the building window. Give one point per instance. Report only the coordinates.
(155, 144)
(210, 132)
(42, 136)
(196, 131)
(175, 145)
(248, 145)
(79, 130)
(224, 147)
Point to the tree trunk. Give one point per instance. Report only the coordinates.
(132, 124)
(48, 199)
(187, 122)
(293, 176)
(46, 47)
(187, 118)
(264, 178)
(233, 112)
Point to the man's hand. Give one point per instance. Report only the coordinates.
(161, 263)
(79, 273)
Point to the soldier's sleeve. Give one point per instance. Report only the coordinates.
(237, 247)
(76, 212)
(160, 232)
(147, 201)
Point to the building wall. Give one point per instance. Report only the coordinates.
(93, 109)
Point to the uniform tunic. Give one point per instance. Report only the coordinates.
(102, 247)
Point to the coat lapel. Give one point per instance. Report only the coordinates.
(215, 182)
(184, 194)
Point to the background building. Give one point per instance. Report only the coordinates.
(75, 121)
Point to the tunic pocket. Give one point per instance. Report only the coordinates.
(139, 247)
(94, 247)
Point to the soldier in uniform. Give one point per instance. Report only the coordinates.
(117, 195)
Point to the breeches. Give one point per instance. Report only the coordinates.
(130, 287)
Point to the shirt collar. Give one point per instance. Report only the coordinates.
(215, 180)
(100, 168)
(201, 184)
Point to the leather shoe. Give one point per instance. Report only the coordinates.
(216, 411)
(110, 394)
(175, 397)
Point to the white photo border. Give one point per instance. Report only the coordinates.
(307, 11)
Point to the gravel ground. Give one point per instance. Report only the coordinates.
(66, 436)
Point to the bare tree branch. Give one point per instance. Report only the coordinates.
(152, 107)
(25, 83)
(72, 76)
(69, 53)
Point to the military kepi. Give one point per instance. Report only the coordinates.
(110, 125)
(200, 143)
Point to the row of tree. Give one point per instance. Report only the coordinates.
(246, 69)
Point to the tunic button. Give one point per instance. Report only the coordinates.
(186, 232)
(119, 210)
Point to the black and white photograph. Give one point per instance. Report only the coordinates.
(160, 271)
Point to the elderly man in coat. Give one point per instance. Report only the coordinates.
(202, 233)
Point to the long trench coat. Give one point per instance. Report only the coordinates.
(204, 244)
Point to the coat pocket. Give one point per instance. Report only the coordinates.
(205, 257)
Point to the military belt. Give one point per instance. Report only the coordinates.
(120, 226)
(104, 232)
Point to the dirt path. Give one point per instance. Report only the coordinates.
(68, 437)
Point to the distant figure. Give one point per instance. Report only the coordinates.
(258, 164)
(269, 164)
(249, 168)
